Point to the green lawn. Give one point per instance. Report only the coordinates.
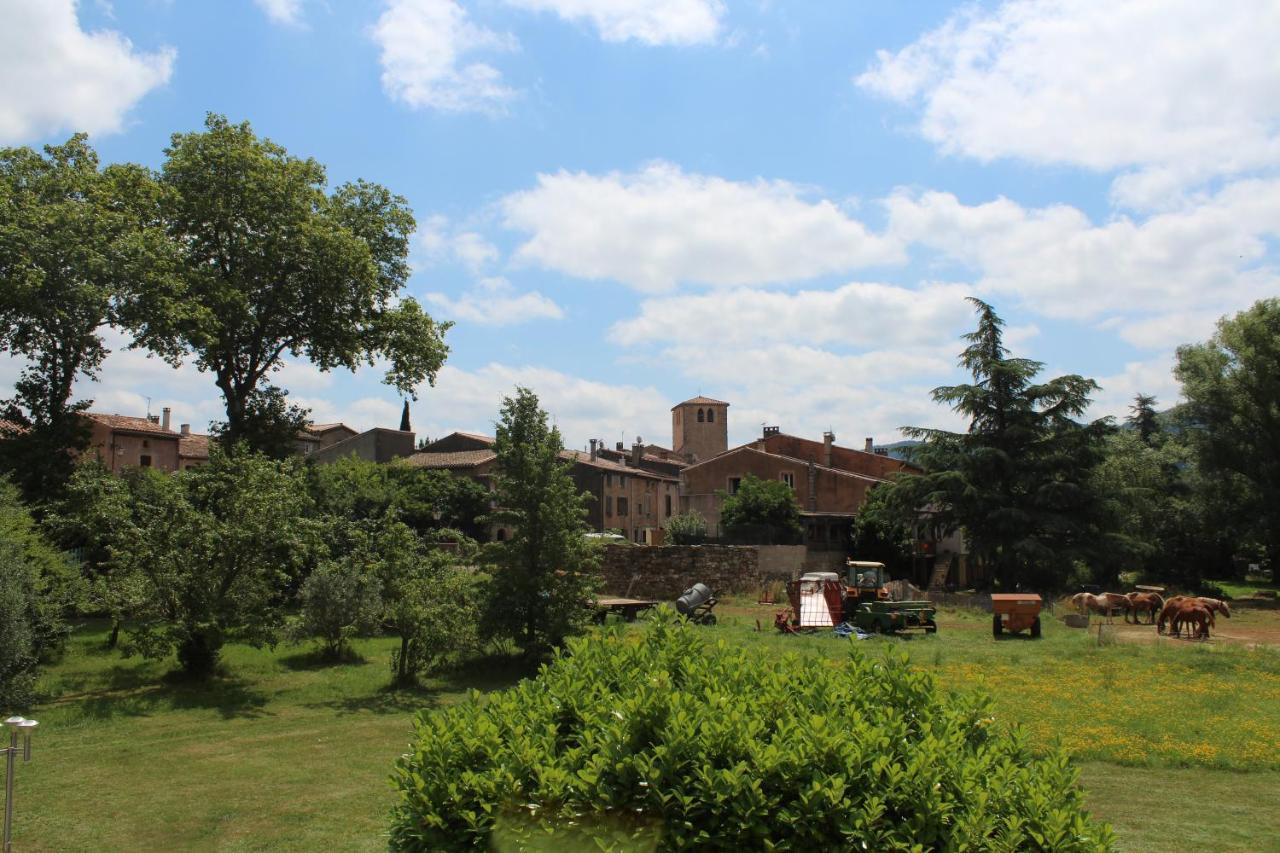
(287, 754)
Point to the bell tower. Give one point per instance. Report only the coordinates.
(700, 428)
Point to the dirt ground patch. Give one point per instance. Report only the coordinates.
(1248, 626)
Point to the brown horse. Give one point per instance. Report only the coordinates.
(1213, 605)
(1107, 604)
(1144, 602)
(1191, 612)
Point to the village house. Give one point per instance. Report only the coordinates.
(122, 441)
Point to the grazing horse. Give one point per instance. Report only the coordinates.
(1170, 609)
(1144, 602)
(1191, 612)
(1107, 603)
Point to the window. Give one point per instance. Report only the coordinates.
(622, 479)
(145, 461)
(639, 535)
(622, 507)
(789, 478)
(668, 504)
(608, 504)
(702, 416)
(711, 416)
(502, 534)
(146, 443)
(608, 479)
(735, 483)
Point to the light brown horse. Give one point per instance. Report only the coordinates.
(1213, 605)
(1107, 604)
(1144, 602)
(1190, 612)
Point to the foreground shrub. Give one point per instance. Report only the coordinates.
(668, 742)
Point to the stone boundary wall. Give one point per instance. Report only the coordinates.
(662, 572)
(782, 562)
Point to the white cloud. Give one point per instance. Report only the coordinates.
(582, 408)
(858, 315)
(655, 22)
(661, 226)
(439, 242)
(59, 78)
(1205, 260)
(474, 251)
(287, 12)
(1181, 90)
(494, 302)
(425, 47)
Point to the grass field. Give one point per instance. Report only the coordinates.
(289, 754)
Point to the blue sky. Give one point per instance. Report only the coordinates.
(624, 203)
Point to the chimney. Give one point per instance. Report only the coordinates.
(185, 429)
(871, 445)
(620, 447)
(164, 420)
(771, 430)
(828, 438)
(637, 450)
(594, 443)
(813, 488)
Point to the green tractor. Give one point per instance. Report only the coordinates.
(867, 605)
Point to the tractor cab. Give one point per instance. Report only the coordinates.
(866, 581)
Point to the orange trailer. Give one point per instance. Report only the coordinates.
(1015, 611)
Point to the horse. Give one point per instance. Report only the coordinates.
(1191, 612)
(1106, 603)
(1144, 602)
(1213, 605)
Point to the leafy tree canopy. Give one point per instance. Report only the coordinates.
(279, 266)
(764, 510)
(1232, 388)
(81, 248)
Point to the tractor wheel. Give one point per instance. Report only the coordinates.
(996, 628)
(930, 627)
(1035, 628)
(709, 619)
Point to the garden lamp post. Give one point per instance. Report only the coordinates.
(26, 727)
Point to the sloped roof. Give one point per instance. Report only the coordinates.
(584, 458)
(747, 448)
(318, 428)
(193, 446)
(700, 401)
(11, 428)
(127, 423)
(458, 459)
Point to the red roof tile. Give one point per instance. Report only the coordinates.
(127, 423)
(700, 401)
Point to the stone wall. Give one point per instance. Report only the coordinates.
(663, 572)
(783, 562)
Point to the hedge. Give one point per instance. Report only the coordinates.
(661, 740)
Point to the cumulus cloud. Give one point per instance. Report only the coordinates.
(1205, 259)
(654, 22)
(59, 78)
(426, 47)
(582, 408)
(494, 302)
(661, 226)
(282, 11)
(1179, 90)
(860, 315)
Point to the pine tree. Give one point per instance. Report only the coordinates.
(1143, 418)
(1017, 481)
(544, 573)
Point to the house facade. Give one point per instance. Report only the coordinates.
(123, 441)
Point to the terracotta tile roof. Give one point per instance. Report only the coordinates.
(459, 459)
(700, 401)
(487, 439)
(11, 428)
(193, 446)
(127, 423)
(747, 448)
(318, 428)
(584, 458)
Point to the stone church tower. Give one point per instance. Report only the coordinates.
(700, 428)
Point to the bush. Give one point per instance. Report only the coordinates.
(675, 744)
(337, 601)
(688, 528)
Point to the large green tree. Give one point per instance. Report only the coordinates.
(1232, 388)
(544, 573)
(81, 249)
(1017, 481)
(206, 555)
(278, 265)
(762, 511)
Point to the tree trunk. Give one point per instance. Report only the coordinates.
(114, 638)
(198, 654)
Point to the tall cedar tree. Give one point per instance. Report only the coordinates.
(81, 248)
(281, 267)
(1142, 417)
(1232, 387)
(544, 573)
(1017, 481)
